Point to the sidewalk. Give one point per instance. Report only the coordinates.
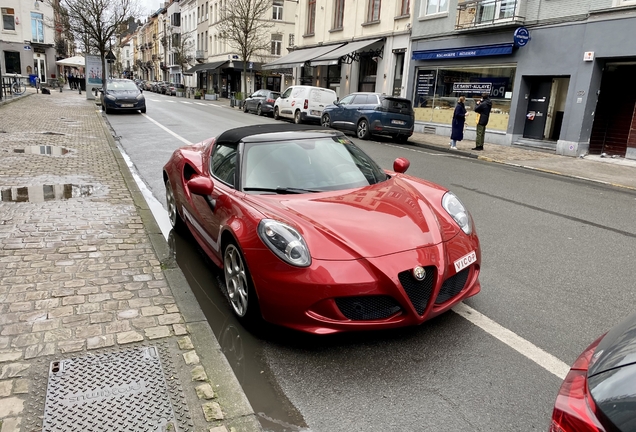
(92, 306)
(617, 172)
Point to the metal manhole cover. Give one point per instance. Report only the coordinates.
(121, 391)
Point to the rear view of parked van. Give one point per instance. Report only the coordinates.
(303, 103)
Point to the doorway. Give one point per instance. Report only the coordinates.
(615, 111)
(546, 107)
(39, 67)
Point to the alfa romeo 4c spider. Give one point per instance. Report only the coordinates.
(311, 234)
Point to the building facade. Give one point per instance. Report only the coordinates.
(351, 45)
(27, 39)
(553, 71)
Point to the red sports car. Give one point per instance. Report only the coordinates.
(312, 234)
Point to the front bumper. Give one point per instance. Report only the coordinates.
(366, 294)
(120, 105)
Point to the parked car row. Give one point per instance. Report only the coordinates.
(363, 113)
(162, 87)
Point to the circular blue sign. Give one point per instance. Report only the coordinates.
(521, 36)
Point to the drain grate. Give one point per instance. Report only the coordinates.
(121, 391)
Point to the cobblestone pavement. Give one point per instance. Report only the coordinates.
(80, 274)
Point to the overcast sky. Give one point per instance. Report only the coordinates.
(149, 7)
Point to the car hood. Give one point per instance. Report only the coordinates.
(396, 215)
(617, 348)
(123, 92)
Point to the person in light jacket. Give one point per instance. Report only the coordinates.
(483, 109)
(459, 119)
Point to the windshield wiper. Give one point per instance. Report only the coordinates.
(282, 190)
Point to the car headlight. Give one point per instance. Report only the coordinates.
(458, 212)
(285, 242)
(111, 97)
(140, 96)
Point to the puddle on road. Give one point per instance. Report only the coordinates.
(43, 149)
(42, 193)
(243, 350)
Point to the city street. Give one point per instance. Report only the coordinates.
(556, 273)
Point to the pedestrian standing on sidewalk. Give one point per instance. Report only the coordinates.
(483, 109)
(459, 120)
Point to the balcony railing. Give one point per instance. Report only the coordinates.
(484, 13)
(201, 55)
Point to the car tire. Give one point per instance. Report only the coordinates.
(259, 111)
(143, 110)
(173, 212)
(276, 115)
(239, 288)
(325, 121)
(402, 139)
(104, 108)
(362, 131)
(244, 107)
(297, 118)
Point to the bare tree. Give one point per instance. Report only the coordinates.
(245, 26)
(95, 22)
(180, 45)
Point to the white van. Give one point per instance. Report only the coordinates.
(303, 103)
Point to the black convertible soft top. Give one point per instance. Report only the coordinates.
(237, 134)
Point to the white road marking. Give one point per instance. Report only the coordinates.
(514, 341)
(200, 103)
(508, 337)
(189, 103)
(179, 137)
(170, 101)
(155, 100)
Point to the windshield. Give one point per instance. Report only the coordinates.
(313, 165)
(121, 85)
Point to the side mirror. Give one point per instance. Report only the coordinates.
(400, 165)
(200, 186)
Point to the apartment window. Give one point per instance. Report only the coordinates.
(37, 27)
(277, 44)
(206, 41)
(12, 62)
(404, 7)
(292, 41)
(374, 11)
(206, 11)
(311, 16)
(277, 10)
(338, 14)
(436, 6)
(8, 19)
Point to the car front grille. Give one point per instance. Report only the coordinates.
(367, 307)
(452, 286)
(419, 292)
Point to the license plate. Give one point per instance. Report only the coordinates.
(315, 113)
(465, 261)
(398, 122)
(127, 105)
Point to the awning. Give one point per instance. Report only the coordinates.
(238, 66)
(205, 67)
(300, 56)
(77, 61)
(455, 53)
(331, 58)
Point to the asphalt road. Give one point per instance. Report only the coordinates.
(557, 271)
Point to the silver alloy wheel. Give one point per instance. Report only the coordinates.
(172, 204)
(326, 121)
(236, 280)
(297, 119)
(363, 129)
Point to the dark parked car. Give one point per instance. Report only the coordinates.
(371, 114)
(261, 102)
(122, 95)
(599, 392)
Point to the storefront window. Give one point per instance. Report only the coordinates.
(437, 90)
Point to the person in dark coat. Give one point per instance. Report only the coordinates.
(459, 119)
(483, 109)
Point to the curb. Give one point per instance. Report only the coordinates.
(239, 414)
(5, 101)
(503, 162)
